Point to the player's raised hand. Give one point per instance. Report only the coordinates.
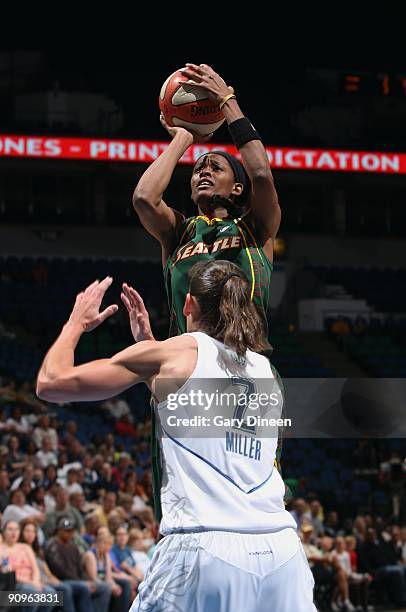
(85, 312)
(138, 314)
(204, 76)
(194, 137)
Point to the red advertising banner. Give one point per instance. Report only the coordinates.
(103, 149)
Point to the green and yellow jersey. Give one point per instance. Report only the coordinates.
(201, 238)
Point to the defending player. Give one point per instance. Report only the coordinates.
(228, 538)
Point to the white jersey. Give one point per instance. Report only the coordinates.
(218, 458)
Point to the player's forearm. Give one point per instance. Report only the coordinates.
(60, 357)
(253, 153)
(155, 179)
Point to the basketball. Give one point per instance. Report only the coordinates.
(185, 105)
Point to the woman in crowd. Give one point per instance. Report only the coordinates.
(97, 564)
(19, 558)
(29, 536)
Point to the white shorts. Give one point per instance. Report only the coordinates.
(215, 571)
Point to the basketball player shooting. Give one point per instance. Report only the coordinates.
(238, 213)
(234, 546)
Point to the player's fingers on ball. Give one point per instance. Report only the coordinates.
(192, 76)
(207, 68)
(194, 67)
(191, 70)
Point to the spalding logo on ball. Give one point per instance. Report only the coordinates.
(185, 105)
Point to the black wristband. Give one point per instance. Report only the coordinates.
(242, 131)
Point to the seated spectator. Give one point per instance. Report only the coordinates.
(26, 486)
(106, 480)
(75, 452)
(98, 567)
(116, 407)
(70, 431)
(19, 558)
(91, 525)
(360, 529)
(122, 468)
(46, 456)
(4, 489)
(44, 430)
(72, 484)
(29, 536)
(139, 549)
(299, 511)
(115, 520)
(50, 475)
(110, 449)
(89, 475)
(378, 560)
(37, 499)
(125, 426)
(320, 564)
(315, 516)
(64, 466)
(27, 475)
(65, 562)
(331, 524)
(121, 554)
(359, 582)
(341, 592)
(18, 510)
(15, 459)
(77, 500)
(62, 509)
(107, 506)
(123, 565)
(30, 452)
(137, 492)
(19, 423)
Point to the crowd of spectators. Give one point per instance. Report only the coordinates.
(75, 518)
(354, 561)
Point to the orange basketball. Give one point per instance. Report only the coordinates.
(185, 105)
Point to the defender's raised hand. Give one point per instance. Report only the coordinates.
(138, 314)
(85, 312)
